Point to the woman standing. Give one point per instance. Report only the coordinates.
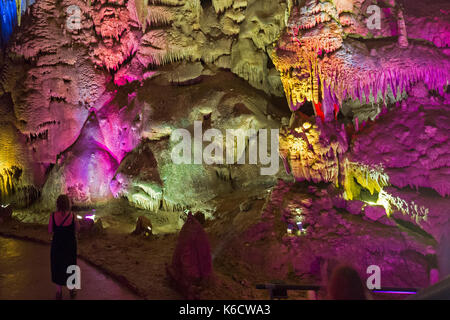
(63, 225)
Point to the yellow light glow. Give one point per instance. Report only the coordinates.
(373, 179)
(9, 156)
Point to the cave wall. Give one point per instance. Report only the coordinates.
(61, 73)
(91, 93)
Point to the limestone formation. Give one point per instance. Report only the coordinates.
(97, 97)
(143, 226)
(191, 265)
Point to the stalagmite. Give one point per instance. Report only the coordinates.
(403, 36)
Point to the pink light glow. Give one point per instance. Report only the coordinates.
(121, 81)
(395, 292)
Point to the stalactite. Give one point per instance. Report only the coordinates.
(142, 11)
(8, 20)
(392, 203)
(11, 12)
(145, 202)
(13, 190)
(152, 16)
(287, 14)
(403, 36)
(370, 178)
(310, 152)
(315, 67)
(158, 16)
(331, 87)
(249, 72)
(168, 205)
(150, 197)
(221, 5)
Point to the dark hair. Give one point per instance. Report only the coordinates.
(345, 284)
(63, 203)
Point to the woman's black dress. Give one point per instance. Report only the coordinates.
(64, 250)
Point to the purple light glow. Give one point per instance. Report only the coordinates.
(394, 292)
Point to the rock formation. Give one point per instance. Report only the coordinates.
(93, 94)
(192, 263)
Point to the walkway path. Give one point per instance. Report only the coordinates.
(25, 275)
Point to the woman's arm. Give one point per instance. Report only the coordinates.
(77, 223)
(50, 224)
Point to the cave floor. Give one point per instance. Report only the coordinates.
(140, 263)
(135, 262)
(248, 245)
(25, 275)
